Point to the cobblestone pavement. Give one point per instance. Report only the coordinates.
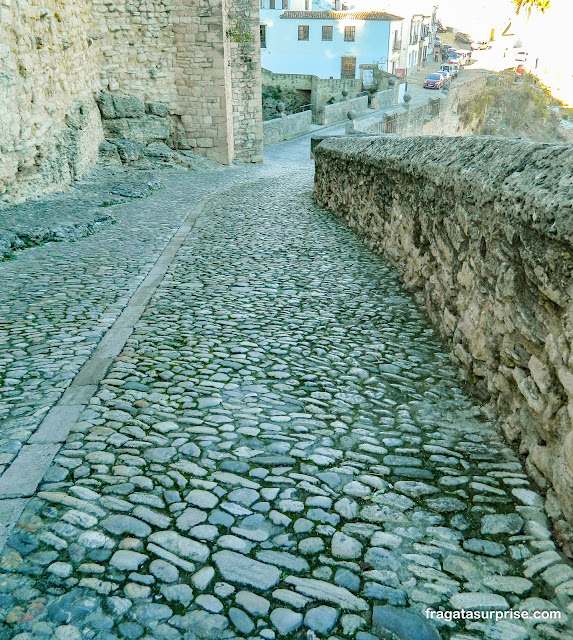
(280, 450)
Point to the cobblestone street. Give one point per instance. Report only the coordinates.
(280, 447)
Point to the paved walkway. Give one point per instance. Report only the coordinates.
(269, 441)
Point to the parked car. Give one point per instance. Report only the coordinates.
(437, 42)
(446, 75)
(521, 56)
(434, 81)
(455, 66)
(463, 37)
(446, 67)
(440, 28)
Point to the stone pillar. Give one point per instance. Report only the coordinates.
(243, 35)
(203, 77)
(218, 76)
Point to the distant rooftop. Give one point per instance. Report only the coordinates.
(340, 15)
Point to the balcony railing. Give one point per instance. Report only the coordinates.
(397, 45)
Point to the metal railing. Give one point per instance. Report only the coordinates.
(389, 123)
(433, 108)
(304, 107)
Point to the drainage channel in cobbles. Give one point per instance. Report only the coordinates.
(281, 449)
(59, 300)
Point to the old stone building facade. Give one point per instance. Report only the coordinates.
(193, 64)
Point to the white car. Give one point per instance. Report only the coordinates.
(521, 56)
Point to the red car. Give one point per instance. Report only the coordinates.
(434, 81)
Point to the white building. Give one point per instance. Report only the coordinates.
(334, 38)
(328, 44)
(419, 31)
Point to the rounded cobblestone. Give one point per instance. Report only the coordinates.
(282, 443)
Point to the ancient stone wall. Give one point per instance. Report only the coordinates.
(49, 122)
(137, 52)
(193, 63)
(482, 228)
(288, 81)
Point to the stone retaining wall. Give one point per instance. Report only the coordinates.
(383, 99)
(337, 112)
(322, 89)
(482, 228)
(288, 127)
(417, 120)
(463, 89)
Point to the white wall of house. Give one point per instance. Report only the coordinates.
(410, 52)
(285, 53)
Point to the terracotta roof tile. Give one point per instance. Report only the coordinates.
(340, 15)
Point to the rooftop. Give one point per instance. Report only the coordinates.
(340, 15)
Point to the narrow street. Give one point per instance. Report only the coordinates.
(280, 447)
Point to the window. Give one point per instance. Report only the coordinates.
(303, 32)
(306, 5)
(349, 34)
(327, 33)
(414, 32)
(285, 4)
(263, 36)
(349, 68)
(272, 4)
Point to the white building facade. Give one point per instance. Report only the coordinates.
(334, 38)
(328, 44)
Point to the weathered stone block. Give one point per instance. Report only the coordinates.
(106, 106)
(157, 109)
(108, 153)
(129, 151)
(143, 130)
(159, 150)
(128, 107)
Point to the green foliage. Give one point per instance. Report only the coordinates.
(528, 5)
(239, 33)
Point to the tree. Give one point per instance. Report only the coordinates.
(539, 5)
